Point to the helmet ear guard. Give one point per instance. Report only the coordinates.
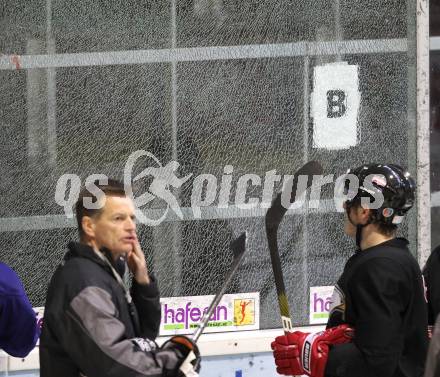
(396, 216)
(387, 212)
(397, 219)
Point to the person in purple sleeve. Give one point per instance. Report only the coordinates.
(19, 330)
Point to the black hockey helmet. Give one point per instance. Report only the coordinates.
(389, 186)
(392, 181)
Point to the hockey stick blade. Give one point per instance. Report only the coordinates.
(273, 219)
(238, 247)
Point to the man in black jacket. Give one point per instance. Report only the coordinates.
(380, 292)
(432, 367)
(431, 272)
(93, 325)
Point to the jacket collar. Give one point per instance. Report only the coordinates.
(399, 242)
(81, 250)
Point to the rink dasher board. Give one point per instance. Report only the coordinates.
(215, 344)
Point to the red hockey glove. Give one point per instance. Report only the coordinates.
(301, 353)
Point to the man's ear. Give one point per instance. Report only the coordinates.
(88, 226)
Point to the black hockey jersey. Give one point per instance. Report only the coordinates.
(431, 272)
(381, 294)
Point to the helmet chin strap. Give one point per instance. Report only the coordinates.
(359, 228)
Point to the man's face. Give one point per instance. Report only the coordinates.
(358, 215)
(115, 227)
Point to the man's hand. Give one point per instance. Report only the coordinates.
(137, 264)
(301, 353)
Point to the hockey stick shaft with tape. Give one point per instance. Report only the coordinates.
(302, 180)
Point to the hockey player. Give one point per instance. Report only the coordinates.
(380, 293)
(19, 330)
(431, 273)
(95, 326)
(432, 367)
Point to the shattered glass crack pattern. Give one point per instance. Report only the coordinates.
(251, 113)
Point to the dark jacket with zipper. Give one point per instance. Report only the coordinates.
(90, 328)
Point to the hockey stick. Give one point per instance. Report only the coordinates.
(273, 219)
(238, 247)
(267, 285)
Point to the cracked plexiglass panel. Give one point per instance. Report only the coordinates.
(61, 26)
(251, 113)
(20, 22)
(229, 22)
(87, 25)
(244, 113)
(34, 255)
(270, 113)
(103, 114)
